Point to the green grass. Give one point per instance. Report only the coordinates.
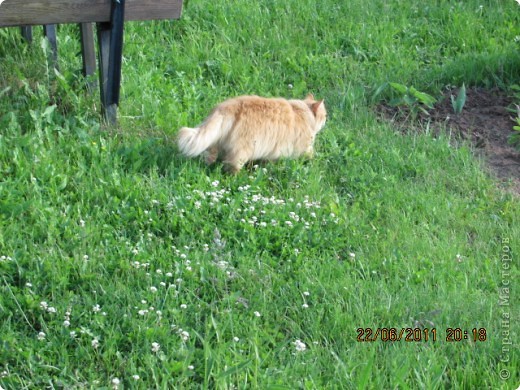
(109, 235)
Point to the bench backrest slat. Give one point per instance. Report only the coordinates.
(35, 12)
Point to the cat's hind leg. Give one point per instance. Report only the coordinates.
(211, 155)
(309, 153)
(235, 160)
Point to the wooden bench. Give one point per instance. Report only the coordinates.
(109, 16)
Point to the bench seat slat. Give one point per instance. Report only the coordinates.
(35, 12)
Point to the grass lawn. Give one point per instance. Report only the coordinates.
(125, 265)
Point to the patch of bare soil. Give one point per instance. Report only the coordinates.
(485, 121)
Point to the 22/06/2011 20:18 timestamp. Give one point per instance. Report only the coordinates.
(419, 334)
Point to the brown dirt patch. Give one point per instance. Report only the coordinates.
(485, 121)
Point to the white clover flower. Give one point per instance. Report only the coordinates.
(184, 335)
(136, 377)
(51, 309)
(184, 306)
(352, 255)
(294, 216)
(85, 257)
(73, 334)
(41, 336)
(66, 323)
(191, 368)
(306, 293)
(81, 223)
(153, 289)
(236, 339)
(44, 305)
(96, 308)
(305, 306)
(299, 346)
(156, 347)
(95, 343)
(28, 285)
(116, 382)
(257, 314)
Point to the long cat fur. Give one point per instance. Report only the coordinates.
(250, 128)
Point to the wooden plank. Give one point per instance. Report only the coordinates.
(34, 12)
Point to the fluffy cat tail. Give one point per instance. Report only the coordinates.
(193, 142)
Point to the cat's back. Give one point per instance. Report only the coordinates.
(252, 104)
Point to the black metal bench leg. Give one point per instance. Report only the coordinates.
(110, 41)
(88, 53)
(87, 48)
(27, 33)
(50, 32)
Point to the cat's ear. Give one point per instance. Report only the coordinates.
(310, 96)
(316, 106)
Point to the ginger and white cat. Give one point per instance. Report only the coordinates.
(250, 128)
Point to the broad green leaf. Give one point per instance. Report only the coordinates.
(399, 87)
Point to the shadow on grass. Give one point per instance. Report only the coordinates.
(163, 156)
(157, 154)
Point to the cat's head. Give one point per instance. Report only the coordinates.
(318, 109)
